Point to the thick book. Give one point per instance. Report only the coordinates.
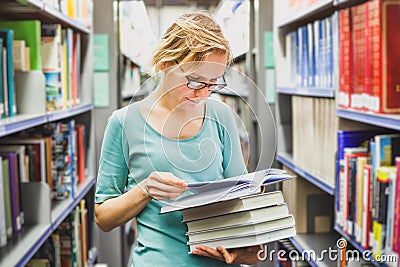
(28, 30)
(358, 41)
(239, 218)
(226, 189)
(3, 225)
(345, 49)
(385, 74)
(246, 241)
(234, 205)
(396, 217)
(242, 230)
(8, 37)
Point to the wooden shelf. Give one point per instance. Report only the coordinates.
(22, 122)
(381, 120)
(314, 92)
(303, 15)
(305, 243)
(20, 249)
(358, 247)
(37, 9)
(287, 160)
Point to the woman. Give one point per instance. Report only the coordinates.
(154, 147)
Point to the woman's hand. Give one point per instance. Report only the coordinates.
(245, 255)
(163, 186)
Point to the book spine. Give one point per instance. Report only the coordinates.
(361, 161)
(2, 110)
(345, 58)
(396, 216)
(375, 42)
(3, 225)
(366, 215)
(358, 16)
(390, 43)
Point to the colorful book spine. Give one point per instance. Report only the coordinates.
(358, 19)
(396, 217)
(8, 37)
(385, 82)
(366, 212)
(3, 225)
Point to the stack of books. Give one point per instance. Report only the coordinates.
(235, 212)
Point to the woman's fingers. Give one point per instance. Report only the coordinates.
(229, 258)
(208, 252)
(164, 186)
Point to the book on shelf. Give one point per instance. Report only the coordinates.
(3, 225)
(8, 72)
(7, 197)
(28, 30)
(396, 212)
(369, 71)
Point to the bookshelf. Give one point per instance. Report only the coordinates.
(42, 214)
(304, 91)
(358, 247)
(320, 241)
(297, 96)
(388, 121)
(287, 160)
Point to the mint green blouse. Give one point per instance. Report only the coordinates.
(132, 149)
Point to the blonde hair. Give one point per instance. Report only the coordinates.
(191, 38)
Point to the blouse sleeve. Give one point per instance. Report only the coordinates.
(233, 162)
(113, 170)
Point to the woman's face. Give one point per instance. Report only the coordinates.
(209, 71)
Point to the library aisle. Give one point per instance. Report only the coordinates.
(314, 87)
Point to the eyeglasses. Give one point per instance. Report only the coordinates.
(212, 87)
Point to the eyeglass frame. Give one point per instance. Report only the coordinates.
(208, 85)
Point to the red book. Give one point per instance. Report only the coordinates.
(384, 24)
(396, 218)
(359, 49)
(80, 148)
(366, 212)
(345, 58)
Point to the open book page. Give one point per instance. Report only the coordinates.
(226, 189)
(253, 179)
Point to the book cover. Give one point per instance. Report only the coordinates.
(19, 55)
(7, 196)
(15, 197)
(385, 82)
(366, 211)
(380, 216)
(3, 225)
(396, 218)
(226, 189)
(246, 241)
(8, 37)
(345, 61)
(2, 110)
(242, 230)
(28, 30)
(358, 25)
(239, 218)
(234, 205)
